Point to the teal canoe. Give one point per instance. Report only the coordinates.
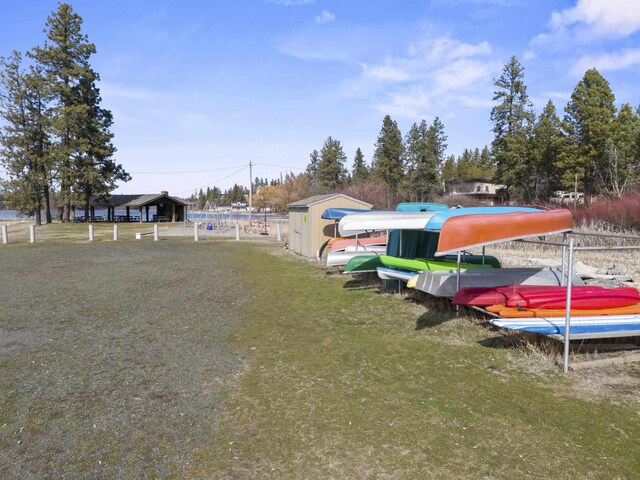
(422, 264)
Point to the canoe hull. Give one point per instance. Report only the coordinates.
(443, 283)
(363, 264)
(469, 231)
(580, 328)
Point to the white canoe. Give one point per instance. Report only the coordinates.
(339, 259)
(385, 273)
(443, 283)
(359, 223)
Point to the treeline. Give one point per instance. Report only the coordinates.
(55, 139)
(215, 196)
(594, 148)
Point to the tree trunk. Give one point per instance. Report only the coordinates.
(47, 203)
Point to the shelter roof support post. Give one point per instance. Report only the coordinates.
(141, 217)
(567, 320)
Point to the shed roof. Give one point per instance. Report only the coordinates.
(307, 202)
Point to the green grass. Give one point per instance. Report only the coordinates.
(178, 359)
(343, 385)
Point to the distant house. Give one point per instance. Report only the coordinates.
(134, 208)
(484, 191)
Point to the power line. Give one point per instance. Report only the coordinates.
(216, 181)
(185, 171)
(279, 166)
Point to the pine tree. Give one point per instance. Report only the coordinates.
(449, 169)
(424, 153)
(388, 165)
(24, 138)
(331, 172)
(620, 168)
(83, 149)
(588, 124)
(312, 170)
(512, 119)
(360, 171)
(546, 146)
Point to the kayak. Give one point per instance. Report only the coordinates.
(540, 296)
(507, 312)
(422, 264)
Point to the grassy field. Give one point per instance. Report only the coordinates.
(230, 360)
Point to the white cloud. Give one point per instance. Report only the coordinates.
(325, 17)
(608, 62)
(615, 18)
(435, 74)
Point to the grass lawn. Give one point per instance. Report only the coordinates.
(229, 360)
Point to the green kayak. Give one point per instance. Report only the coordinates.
(363, 263)
(421, 264)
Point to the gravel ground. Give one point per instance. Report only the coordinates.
(113, 356)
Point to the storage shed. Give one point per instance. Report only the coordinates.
(307, 230)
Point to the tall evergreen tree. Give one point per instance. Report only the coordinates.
(588, 124)
(331, 171)
(387, 165)
(449, 169)
(312, 170)
(620, 167)
(79, 125)
(546, 145)
(24, 138)
(424, 153)
(95, 170)
(360, 171)
(512, 119)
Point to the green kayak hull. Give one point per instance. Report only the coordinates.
(363, 263)
(421, 264)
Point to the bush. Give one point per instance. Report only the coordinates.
(620, 213)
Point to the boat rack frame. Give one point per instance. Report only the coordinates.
(568, 249)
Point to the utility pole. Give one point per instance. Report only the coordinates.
(250, 187)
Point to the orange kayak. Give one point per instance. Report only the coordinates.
(508, 312)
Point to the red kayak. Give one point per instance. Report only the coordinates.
(536, 296)
(485, 296)
(585, 298)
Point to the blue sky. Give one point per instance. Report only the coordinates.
(199, 89)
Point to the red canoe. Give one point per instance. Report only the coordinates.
(534, 296)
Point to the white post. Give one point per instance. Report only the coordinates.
(91, 233)
(195, 232)
(237, 232)
(5, 234)
(564, 260)
(567, 319)
(279, 237)
(32, 233)
(155, 232)
(115, 232)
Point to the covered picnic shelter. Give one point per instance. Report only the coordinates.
(136, 208)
